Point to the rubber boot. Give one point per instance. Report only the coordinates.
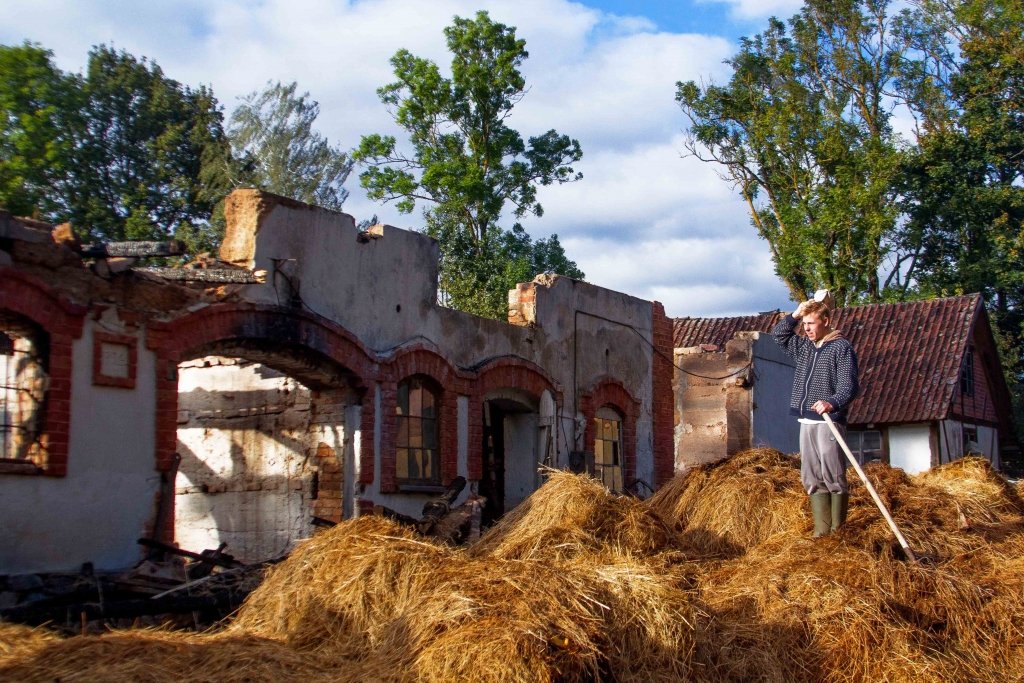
(821, 510)
(840, 504)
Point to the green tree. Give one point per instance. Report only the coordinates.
(38, 115)
(478, 280)
(142, 150)
(803, 130)
(963, 190)
(122, 152)
(964, 197)
(467, 164)
(276, 148)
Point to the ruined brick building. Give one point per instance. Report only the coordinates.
(309, 373)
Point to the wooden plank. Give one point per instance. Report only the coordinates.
(219, 275)
(135, 248)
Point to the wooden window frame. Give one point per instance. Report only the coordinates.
(429, 439)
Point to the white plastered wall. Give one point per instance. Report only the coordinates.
(103, 505)
(245, 437)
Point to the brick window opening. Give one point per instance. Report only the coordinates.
(418, 461)
(608, 448)
(24, 382)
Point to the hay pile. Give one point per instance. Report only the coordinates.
(732, 505)
(576, 516)
(157, 656)
(849, 607)
(528, 603)
(714, 578)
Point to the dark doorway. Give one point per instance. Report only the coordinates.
(492, 480)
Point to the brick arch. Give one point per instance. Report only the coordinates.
(502, 373)
(408, 362)
(176, 340)
(609, 392)
(514, 373)
(63, 322)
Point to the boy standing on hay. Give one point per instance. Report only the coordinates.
(825, 381)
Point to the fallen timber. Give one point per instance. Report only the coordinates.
(195, 590)
(216, 275)
(439, 519)
(139, 249)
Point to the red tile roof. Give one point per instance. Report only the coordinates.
(688, 332)
(909, 353)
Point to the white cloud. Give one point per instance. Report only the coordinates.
(691, 276)
(644, 220)
(760, 9)
(622, 90)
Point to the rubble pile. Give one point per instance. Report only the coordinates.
(715, 578)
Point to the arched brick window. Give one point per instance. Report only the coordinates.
(608, 451)
(418, 432)
(611, 427)
(24, 379)
(37, 330)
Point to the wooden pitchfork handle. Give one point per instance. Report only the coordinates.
(869, 487)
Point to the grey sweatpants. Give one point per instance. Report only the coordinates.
(822, 463)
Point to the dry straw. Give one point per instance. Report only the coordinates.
(574, 514)
(728, 506)
(714, 578)
(849, 607)
(154, 656)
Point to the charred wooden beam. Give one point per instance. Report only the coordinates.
(211, 557)
(221, 275)
(138, 249)
(205, 567)
(36, 614)
(392, 514)
(436, 508)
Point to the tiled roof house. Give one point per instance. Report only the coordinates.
(932, 387)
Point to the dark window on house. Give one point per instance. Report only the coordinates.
(866, 445)
(23, 385)
(967, 374)
(608, 448)
(970, 439)
(418, 458)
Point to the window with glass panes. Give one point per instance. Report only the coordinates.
(967, 374)
(866, 445)
(418, 459)
(23, 386)
(608, 448)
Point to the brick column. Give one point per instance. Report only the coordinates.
(663, 400)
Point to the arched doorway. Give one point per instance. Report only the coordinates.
(266, 445)
(510, 467)
(275, 401)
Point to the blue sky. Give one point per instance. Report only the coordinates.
(677, 16)
(645, 220)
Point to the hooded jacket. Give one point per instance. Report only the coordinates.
(825, 372)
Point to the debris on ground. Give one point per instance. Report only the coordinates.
(171, 587)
